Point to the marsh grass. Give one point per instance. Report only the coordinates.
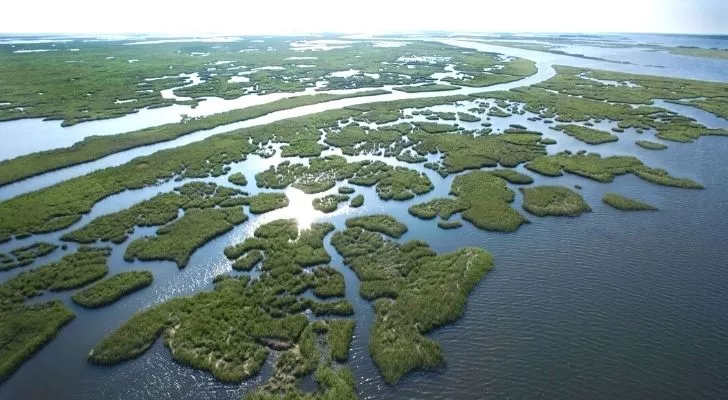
(26, 329)
(329, 203)
(626, 204)
(381, 223)
(24, 256)
(553, 200)
(391, 183)
(159, 210)
(449, 224)
(95, 147)
(426, 88)
(605, 169)
(357, 201)
(587, 135)
(444, 207)
(112, 289)
(238, 179)
(268, 312)
(179, 239)
(405, 287)
(74, 270)
(262, 203)
(646, 144)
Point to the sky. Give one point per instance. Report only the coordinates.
(371, 16)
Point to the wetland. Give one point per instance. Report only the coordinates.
(381, 222)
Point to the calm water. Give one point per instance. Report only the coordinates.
(607, 305)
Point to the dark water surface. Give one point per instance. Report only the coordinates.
(608, 305)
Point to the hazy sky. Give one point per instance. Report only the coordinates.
(370, 16)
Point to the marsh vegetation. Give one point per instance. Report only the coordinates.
(625, 203)
(553, 200)
(403, 289)
(284, 296)
(267, 311)
(112, 289)
(24, 256)
(329, 203)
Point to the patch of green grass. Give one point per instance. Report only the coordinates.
(26, 329)
(23, 256)
(626, 204)
(497, 112)
(357, 201)
(333, 383)
(485, 79)
(265, 202)
(662, 177)
(462, 152)
(355, 140)
(112, 289)
(587, 135)
(483, 198)
(381, 223)
(329, 203)
(547, 141)
(512, 176)
(403, 184)
(59, 206)
(569, 108)
(267, 312)
(489, 198)
(465, 117)
(449, 224)
(444, 207)
(553, 200)
(238, 179)
(570, 80)
(430, 87)
(411, 158)
(346, 190)
(179, 239)
(697, 52)
(433, 127)
(415, 290)
(278, 239)
(95, 147)
(159, 210)
(340, 335)
(604, 169)
(646, 144)
(330, 283)
(392, 183)
(303, 148)
(248, 261)
(75, 270)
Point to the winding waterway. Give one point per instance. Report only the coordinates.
(606, 305)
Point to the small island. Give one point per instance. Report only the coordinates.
(553, 200)
(112, 289)
(625, 203)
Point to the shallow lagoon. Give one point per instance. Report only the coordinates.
(610, 304)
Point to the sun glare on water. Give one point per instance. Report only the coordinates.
(300, 208)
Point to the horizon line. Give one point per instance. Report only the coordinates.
(333, 33)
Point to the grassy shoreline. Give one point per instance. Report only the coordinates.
(96, 147)
(112, 289)
(625, 203)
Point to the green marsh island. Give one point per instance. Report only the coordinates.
(327, 218)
